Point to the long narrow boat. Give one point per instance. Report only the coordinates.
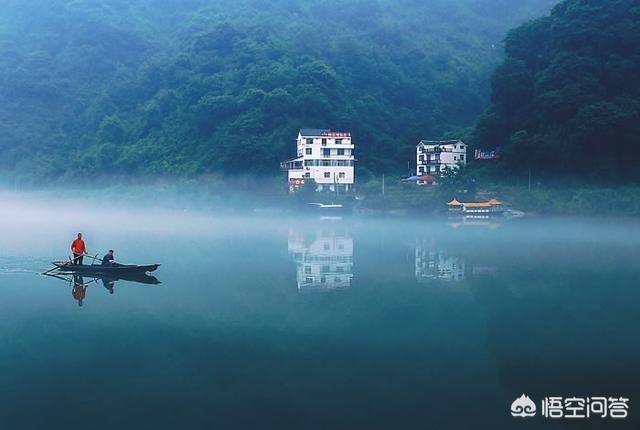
(118, 269)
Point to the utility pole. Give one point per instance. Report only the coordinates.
(383, 184)
(529, 179)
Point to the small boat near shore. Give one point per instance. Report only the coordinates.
(328, 209)
(100, 269)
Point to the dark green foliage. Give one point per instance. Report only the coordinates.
(566, 101)
(192, 87)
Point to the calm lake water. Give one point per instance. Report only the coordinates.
(307, 323)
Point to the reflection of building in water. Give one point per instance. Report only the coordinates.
(432, 263)
(324, 260)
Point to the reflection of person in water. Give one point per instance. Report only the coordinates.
(108, 284)
(79, 290)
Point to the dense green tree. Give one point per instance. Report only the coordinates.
(566, 100)
(193, 87)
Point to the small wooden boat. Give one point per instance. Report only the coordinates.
(116, 269)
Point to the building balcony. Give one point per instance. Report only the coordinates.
(329, 162)
(435, 151)
(294, 164)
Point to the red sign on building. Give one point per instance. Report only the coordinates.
(335, 134)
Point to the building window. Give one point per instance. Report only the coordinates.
(309, 141)
(341, 175)
(455, 158)
(326, 152)
(462, 158)
(307, 270)
(327, 175)
(308, 280)
(324, 142)
(340, 151)
(323, 279)
(307, 175)
(309, 151)
(338, 141)
(326, 247)
(325, 269)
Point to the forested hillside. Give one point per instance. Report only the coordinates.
(191, 87)
(566, 100)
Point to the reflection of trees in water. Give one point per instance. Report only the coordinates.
(323, 256)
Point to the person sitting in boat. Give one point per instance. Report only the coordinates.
(109, 259)
(79, 250)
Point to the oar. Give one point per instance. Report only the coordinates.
(93, 258)
(50, 270)
(56, 276)
(73, 259)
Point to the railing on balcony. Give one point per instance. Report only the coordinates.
(291, 165)
(431, 162)
(434, 150)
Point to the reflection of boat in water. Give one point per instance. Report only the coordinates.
(79, 285)
(101, 269)
(136, 278)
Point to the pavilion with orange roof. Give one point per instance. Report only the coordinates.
(493, 206)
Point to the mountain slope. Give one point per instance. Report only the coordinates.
(194, 87)
(566, 100)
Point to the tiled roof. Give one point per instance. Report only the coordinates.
(440, 142)
(313, 131)
(478, 205)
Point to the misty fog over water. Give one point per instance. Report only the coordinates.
(319, 214)
(377, 320)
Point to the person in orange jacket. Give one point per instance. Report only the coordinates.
(79, 250)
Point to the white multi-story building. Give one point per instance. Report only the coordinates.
(432, 157)
(324, 260)
(325, 156)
